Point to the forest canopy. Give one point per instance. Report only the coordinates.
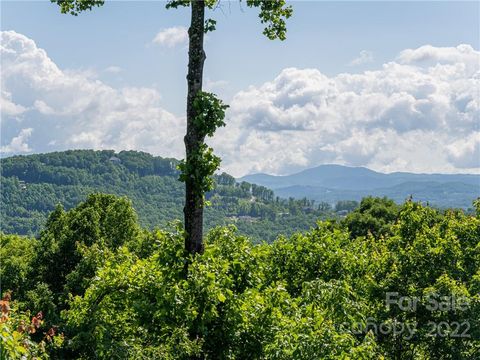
(34, 185)
(103, 287)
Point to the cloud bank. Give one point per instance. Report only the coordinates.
(171, 37)
(18, 144)
(68, 109)
(419, 112)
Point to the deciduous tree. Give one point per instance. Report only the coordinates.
(205, 112)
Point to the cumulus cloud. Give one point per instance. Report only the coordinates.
(113, 69)
(171, 37)
(364, 57)
(71, 109)
(418, 113)
(18, 144)
(465, 153)
(463, 55)
(8, 107)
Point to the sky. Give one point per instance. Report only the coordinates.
(392, 86)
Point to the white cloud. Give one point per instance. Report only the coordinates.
(74, 109)
(171, 37)
(463, 55)
(43, 108)
(409, 115)
(113, 69)
(8, 107)
(364, 57)
(419, 113)
(18, 144)
(465, 153)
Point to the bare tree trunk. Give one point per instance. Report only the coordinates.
(193, 210)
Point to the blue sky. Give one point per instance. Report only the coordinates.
(323, 35)
(113, 45)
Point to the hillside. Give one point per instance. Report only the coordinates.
(32, 186)
(332, 183)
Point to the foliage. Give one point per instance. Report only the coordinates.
(16, 254)
(209, 113)
(315, 295)
(205, 113)
(346, 205)
(225, 308)
(34, 185)
(73, 7)
(374, 216)
(273, 13)
(74, 243)
(201, 163)
(17, 330)
(300, 298)
(200, 168)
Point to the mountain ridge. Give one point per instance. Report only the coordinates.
(31, 186)
(345, 182)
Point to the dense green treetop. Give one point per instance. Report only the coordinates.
(33, 185)
(320, 294)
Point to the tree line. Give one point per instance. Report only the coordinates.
(385, 282)
(34, 185)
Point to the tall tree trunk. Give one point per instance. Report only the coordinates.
(193, 210)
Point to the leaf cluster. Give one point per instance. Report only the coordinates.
(209, 113)
(314, 295)
(199, 169)
(201, 164)
(74, 7)
(273, 13)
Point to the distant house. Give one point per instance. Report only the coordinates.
(243, 217)
(115, 160)
(22, 185)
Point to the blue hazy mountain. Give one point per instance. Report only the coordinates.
(331, 183)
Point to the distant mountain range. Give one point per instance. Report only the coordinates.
(331, 183)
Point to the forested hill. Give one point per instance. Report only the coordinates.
(33, 185)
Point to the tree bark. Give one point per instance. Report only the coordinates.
(193, 210)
